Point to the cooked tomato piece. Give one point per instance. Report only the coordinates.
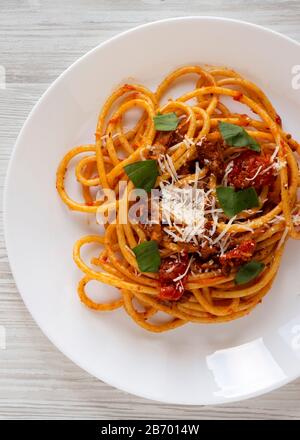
(237, 256)
(170, 269)
(171, 292)
(251, 169)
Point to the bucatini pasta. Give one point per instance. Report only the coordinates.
(225, 199)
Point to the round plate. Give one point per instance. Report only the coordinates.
(194, 364)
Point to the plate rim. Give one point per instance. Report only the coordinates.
(35, 108)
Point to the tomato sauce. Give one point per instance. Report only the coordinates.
(170, 269)
(239, 255)
(251, 169)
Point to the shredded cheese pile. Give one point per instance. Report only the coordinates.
(189, 214)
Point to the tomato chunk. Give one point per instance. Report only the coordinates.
(242, 253)
(251, 169)
(171, 269)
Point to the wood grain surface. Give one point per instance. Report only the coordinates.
(38, 40)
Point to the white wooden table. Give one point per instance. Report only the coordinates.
(38, 40)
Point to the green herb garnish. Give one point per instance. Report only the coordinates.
(147, 256)
(143, 174)
(249, 272)
(232, 202)
(236, 136)
(166, 122)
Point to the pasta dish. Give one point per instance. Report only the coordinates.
(196, 199)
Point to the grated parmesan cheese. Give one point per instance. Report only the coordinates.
(228, 170)
(283, 237)
(185, 272)
(255, 175)
(188, 141)
(225, 230)
(275, 152)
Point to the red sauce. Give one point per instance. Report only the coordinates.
(128, 87)
(245, 120)
(278, 120)
(114, 120)
(239, 255)
(89, 203)
(246, 166)
(238, 96)
(170, 269)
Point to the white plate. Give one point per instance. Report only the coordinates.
(195, 364)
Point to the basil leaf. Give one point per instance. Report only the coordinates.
(232, 202)
(166, 122)
(143, 174)
(147, 256)
(248, 272)
(236, 136)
